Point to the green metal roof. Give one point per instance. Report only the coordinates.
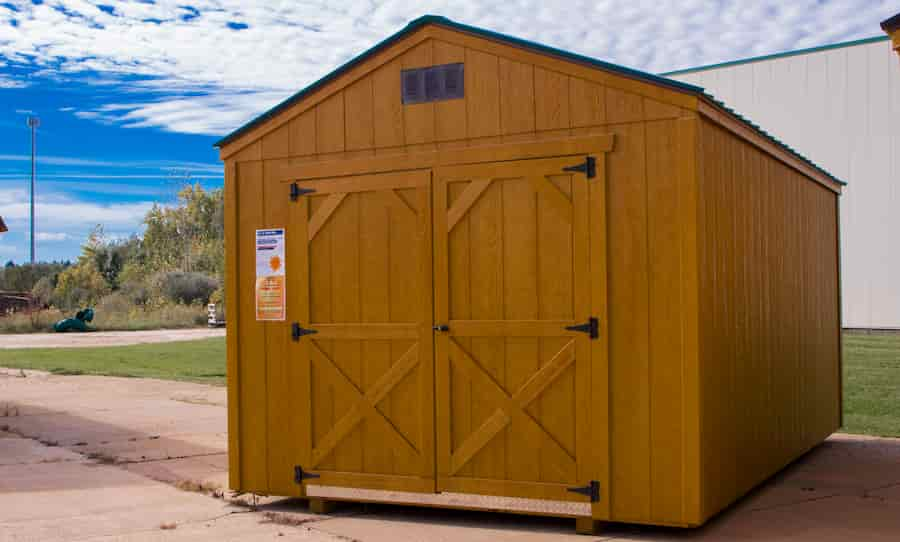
(545, 49)
(783, 54)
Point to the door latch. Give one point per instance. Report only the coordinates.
(297, 331)
(591, 327)
(588, 167)
(442, 328)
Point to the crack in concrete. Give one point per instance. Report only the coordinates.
(795, 503)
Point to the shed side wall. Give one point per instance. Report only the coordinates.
(770, 322)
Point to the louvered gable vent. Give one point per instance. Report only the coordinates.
(434, 83)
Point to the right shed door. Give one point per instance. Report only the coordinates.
(512, 268)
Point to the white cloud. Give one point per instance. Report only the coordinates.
(164, 165)
(9, 82)
(208, 78)
(51, 236)
(62, 213)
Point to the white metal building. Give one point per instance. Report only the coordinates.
(839, 105)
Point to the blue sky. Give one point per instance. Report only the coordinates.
(133, 94)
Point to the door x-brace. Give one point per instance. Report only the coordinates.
(513, 407)
(364, 407)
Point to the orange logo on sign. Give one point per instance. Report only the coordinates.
(275, 263)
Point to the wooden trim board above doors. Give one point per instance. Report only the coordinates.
(446, 157)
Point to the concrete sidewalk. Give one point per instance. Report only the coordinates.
(106, 338)
(85, 457)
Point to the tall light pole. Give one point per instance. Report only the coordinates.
(33, 123)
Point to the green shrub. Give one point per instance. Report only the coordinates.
(187, 288)
(79, 286)
(43, 290)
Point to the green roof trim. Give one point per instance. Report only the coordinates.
(545, 49)
(443, 21)
(772, 56)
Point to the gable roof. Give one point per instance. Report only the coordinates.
(525, 44)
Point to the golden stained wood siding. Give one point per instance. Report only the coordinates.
(506, 99)
(251, 343)
(770, 325)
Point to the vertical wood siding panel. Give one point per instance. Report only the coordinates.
(388, 107)
(517, 100)
(666, 363)
(623, 106)
(552, 102)
(252, 335)
(689, 208)
(302, 134)
(628, 326)
(360, 106)
(587, 103)
(330, 124)
(232, 294)
(482, 94)
(276, 144)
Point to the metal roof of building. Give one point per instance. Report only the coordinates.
(783, 54)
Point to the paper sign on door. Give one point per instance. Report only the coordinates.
(270, 276)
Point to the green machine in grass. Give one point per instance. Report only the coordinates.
(78, 323)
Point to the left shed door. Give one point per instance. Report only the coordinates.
(364, 254)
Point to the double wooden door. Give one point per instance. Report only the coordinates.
(451, 330)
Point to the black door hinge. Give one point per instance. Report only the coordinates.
(296, 191)
(300, 474)
(588, 167)
(591, 490)
(297, 331)
(591, 327)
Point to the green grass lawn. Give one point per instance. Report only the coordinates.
(196, 361)
(872, 384)
(871, 371)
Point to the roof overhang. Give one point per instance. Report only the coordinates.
(2, 225)
(892, 27)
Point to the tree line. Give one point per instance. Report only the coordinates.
(179, 258)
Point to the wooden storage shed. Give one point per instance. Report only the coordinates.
(524, 280)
